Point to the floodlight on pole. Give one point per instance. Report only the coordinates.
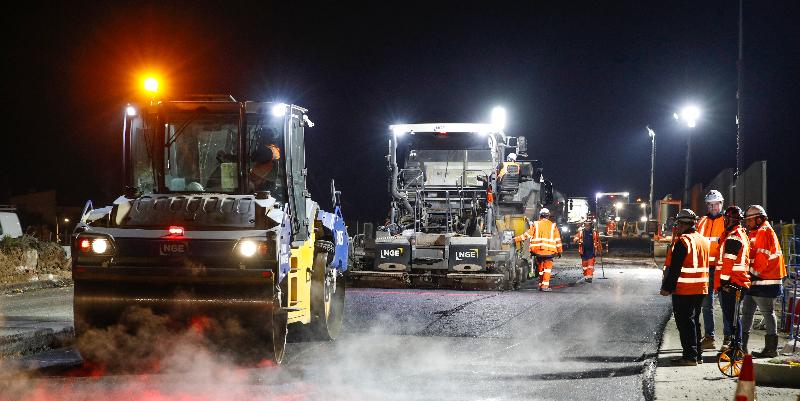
(690, 114)
(652, 135)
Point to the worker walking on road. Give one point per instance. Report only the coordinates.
(732, 272)
(712, 226)
(686, 279)
(545, 244)
(767, 270)
(611, 226)
(588, 244)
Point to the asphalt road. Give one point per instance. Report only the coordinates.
(582, 341)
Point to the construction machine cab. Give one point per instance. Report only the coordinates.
(218, 146)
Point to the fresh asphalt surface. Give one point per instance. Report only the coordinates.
(581, 341)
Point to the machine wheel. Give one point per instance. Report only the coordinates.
(327, 296)
(730, 361)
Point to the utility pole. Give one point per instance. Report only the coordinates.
(739, 94)
(652, 166)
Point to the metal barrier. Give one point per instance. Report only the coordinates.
(790, 304)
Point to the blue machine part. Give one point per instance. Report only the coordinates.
(285, 247)
(335, 223)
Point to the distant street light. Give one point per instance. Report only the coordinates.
(652, 165)
(689, 114)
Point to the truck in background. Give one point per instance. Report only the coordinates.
(9, 222)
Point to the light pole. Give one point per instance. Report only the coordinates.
(689, 114)
(652, 165)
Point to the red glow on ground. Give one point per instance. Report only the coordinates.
(199, 324)
(266, 363)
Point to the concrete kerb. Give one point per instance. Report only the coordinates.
(35, 285)
(779, 375)
(26, 343)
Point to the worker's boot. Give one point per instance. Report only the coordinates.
(745, 339)
(726, 343)
(770, 348)
(707, 343)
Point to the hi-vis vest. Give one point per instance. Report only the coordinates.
(579, 239)
(545, 238)
(693, 279)
(712, 229)
(766, 258)
(734, 267)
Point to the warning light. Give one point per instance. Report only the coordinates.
(176, 231)
(151, 84)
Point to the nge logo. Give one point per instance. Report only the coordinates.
(468, 254)
(391, 253)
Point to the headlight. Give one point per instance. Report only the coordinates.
(643, 219)
(95, 245)
(254, 247)
(100, 246)
(564, 229)
(247, 248)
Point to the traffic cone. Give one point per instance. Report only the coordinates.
(746, 387)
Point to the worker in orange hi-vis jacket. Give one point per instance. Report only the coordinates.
(686, 280)
(712, 226)
(611, 226)
(732, 273)
(767, 271)
(588, 245)
(544, 246)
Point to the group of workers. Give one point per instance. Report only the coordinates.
(545, 244)
(732, 254)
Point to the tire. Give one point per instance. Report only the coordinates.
(327, 297)
(275, 344)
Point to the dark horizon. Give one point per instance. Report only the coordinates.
(581, 82)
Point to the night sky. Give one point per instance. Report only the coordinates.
(580, 81)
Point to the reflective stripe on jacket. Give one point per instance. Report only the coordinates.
(712, 228)
(545, 238)
(693, 279)
(767, 266)
(734, 266)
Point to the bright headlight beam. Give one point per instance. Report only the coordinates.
(130, 111)
(99, 245)
(248, 248)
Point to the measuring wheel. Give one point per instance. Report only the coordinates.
(730, 360)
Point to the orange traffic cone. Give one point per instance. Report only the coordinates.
(746, 387)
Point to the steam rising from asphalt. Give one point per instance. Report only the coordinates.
(413, 345)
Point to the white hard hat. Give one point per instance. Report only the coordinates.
(755, 211)
(714, 196)
(544, 211)
(512, 157)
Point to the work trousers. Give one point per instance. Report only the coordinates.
(588, 267)
(708, 307)
(727, 299)
(686, 309)
(766, 306)
(544, 265)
